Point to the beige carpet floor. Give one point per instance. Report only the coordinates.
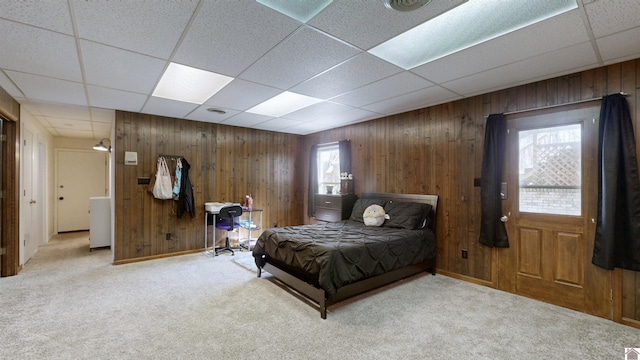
(69, 303)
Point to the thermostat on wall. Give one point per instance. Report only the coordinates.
(130, 158)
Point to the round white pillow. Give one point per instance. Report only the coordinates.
(373, 215)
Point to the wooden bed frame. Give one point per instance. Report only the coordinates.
(320, 296)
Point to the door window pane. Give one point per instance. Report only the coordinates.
(550, 170)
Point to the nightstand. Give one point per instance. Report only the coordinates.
(332, 208)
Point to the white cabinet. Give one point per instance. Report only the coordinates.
(100, 222)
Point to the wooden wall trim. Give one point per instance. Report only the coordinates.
(10, 204)
(9, 108)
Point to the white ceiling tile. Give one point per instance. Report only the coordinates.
(282, 66)
(56, 110)
(358, 71)
(70, 124)
(52, 131)
(115, 99)
(318, 112)
(49, 54)
(39, 88)
(120, 69)
(145, 27)
(101, 127)
(242, 95)
(556, 63)
(50, 14)
(552, 34)
(246, 119)
(202, 114)
(166, 107)
(617, 46)
(9, 86)
(307, 128)
(276, 124)
(43, 120)
(369, 23)
(73, 133)
(123, 44)
(608, 17)
(392, 86)
(415, 100)
(228, 36)
(103, 115)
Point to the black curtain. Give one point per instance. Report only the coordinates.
(313, 181)
(617, 241)
(344, 146)
(492, 231)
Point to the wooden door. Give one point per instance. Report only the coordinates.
(550, 210)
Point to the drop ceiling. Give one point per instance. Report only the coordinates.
(71, 63)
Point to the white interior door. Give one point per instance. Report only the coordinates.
(80, 176)
(29, 244)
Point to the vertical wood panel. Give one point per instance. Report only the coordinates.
(222, 162)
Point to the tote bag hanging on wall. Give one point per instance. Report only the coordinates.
(162, 187)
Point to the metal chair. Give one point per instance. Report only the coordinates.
(227, 221)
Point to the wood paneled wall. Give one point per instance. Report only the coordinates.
(438, 150)
(226, 164)
(10, 222)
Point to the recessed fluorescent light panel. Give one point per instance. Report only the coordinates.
(283, 104)
(301, 10)
(469, 24)
(184, 83)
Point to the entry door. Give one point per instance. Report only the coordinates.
(81, 175)
(550, 210)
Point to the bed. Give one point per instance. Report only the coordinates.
(330, 262)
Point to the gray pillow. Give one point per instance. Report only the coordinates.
(406, 215)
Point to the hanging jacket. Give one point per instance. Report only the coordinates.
(176, 183)
(186, 201)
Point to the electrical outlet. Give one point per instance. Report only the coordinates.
(464, 253)
(168, 236)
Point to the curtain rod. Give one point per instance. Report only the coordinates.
(557, 105)
(331, 143)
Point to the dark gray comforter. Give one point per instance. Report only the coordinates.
(335, 254)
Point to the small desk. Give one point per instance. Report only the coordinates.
(213, 209)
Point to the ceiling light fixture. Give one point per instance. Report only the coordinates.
(188, 84)
(101, 146)
(405, 5)
(217, 111)
(467, 25)
(286, 102)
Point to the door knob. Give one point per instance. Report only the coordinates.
(504, 218)
(60, 198)
(32, 201)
